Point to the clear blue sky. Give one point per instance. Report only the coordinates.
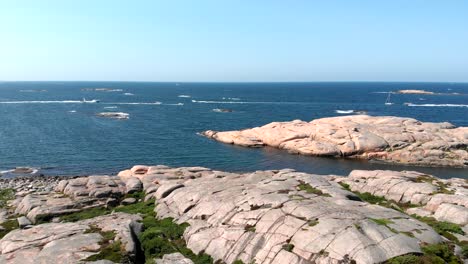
(244, 40)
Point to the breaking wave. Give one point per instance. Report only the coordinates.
(344, 111)
(244, 102)
(151, 103)
(43, 102)
(438, 105)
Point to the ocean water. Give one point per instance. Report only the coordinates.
(45, 124)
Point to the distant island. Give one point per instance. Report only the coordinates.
(411, 91)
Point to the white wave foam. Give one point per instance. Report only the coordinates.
(32, 91)
(437, 105)
(141, 103)
(107, 90)
(175, 104)
(72, 111)
(184, 96)
(221, 110)
(244, 102)
(344, 111)
(110, 107)
(128, 94)
(43, 102)
(231, 98)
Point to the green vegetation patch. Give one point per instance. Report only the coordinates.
(432, 254)
(383, 222)
(142, 208)
(82, 215)
(309, 189)
(379, 200)
(250, 228)
(443, 228)
(8, 226)
(345, 186)
(161, 236)
(5, 196)
(110, 249)
(288, 247)
(137, 195)
(372, 199)
(313, 222)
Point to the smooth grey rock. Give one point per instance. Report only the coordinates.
(174, 258)
(128, 201)
(23, 221)
(67, 242)
(111, 202)
(253, 216)
(133, 184)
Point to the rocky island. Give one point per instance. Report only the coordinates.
(414, 92)
(384, 138)
(159, 214)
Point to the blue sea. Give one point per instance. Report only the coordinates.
(46, 125)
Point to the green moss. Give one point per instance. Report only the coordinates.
(381, 221)
(288, 247)
(309, 189)
(408, 234)
(5, 196)
(384, 222)
(464, 247)
(82, 215)
(143, 208)
(249, 228)
(372, 199)
(110, 250)
(8, 226)
(313, 222)
(137, 195)
(432, 254)
(238, 262)
(443, 188)
(358, 227)
(443, 228)
(443, 251)
(345, 186)
(161, 236)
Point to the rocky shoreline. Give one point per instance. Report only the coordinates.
(384, 138)
(158, 214)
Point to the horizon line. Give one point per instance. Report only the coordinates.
(131, 81)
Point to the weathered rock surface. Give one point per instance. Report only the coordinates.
(386, 138)
(23, 221)
(270, 217)
(25, 185)
(67, 242)
(70, 196)
(174, 258)
(279, 216)
(445, 200)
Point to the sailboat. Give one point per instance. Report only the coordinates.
(387, 102)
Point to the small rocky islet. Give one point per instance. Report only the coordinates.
(383, 138)
(159, 214)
